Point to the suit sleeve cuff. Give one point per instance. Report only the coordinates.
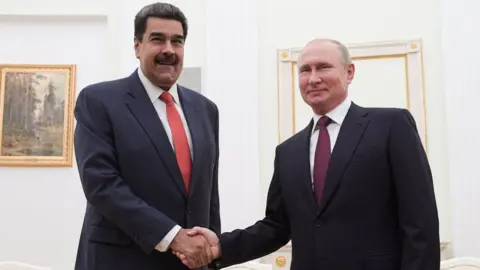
(167, 240)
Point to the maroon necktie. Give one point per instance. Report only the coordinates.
(322, 157)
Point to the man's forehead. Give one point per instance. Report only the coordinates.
(164, 26)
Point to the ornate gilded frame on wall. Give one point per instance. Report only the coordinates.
(408, 50)
(36, 114)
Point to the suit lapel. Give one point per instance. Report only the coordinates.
(195, 123)
(138, 102)
(349, 136)
(303, 163)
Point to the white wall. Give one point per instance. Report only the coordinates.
(232, 81)
(287, 24)
(41, 209)
(462, 84)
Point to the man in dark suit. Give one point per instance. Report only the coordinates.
(353, 190)
(147, 154)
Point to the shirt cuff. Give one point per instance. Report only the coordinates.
(167, 240)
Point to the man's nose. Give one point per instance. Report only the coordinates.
(168, 49)
(314, 78)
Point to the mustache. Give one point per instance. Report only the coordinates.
(166, 59)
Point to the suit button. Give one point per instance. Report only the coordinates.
(318, 224)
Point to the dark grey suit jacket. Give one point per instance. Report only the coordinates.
(134, 189)
(378, 211)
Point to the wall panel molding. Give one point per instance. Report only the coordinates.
(408, 51)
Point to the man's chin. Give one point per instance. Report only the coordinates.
(165, 80)
(317, 101)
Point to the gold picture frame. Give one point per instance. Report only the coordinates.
(36, 115)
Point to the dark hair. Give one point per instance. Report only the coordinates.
(158, 10)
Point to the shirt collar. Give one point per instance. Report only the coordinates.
(337, 115)
(154, 91)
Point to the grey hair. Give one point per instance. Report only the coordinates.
(344, 53)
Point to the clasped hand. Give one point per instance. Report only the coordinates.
(196, 247)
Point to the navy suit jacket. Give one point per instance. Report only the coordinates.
(129, 173)
(378, 211)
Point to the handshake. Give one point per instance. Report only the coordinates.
(196, 247)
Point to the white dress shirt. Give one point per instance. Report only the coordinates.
(154, 93)
(337, 116)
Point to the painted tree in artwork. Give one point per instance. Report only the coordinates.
(59, 118)
(20, 104)
(49, 104)
(31, 125)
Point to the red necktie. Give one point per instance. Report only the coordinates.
(322, 157)
(180, 142)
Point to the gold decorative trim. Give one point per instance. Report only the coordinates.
(408, 50)
(280, 261)
(371, 57)
(424, 101)
(294, 128)
(278, 97)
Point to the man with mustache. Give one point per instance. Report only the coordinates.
(353, 190)
(147, 154)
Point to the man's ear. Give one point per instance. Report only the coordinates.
(136, 46)
(350, 73)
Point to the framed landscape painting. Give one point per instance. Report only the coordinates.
(36, 115)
